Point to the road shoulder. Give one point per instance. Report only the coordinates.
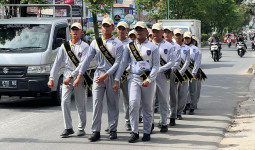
(240, 133)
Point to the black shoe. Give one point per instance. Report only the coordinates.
(113, 135)
(146, 137)
(128, 127)
(81, 133)
(172, 122)
(159, 124)
(140, 119)
(191, 112)
(179, 117)
(94, 137)
(66, 133)
(164, 128)
(186, 108)
(184, 112)
(152, 127)
(133, 137)
(156, 110)
(107, 130)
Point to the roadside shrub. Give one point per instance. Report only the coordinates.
(90, 31)
(205, 37)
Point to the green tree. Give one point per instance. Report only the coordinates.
(98, 6)
(215, 15)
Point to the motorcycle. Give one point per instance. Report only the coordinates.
(240, 49)
(253, 44)
(215, 50)
(229, 42)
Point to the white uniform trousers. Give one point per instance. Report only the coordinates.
(199, 85)
(182, 97)
(80, 96)
(144, 96)
(162, 92)
(98, 91)
(173, 97)
(193, 93)
(124, 88)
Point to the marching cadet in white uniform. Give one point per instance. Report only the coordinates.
(108, 50)
(167, 61)
(122, 30)
(199, 79)
(194, 57)
(185, 56)
(131, 35)
(144, 65)
(168, 34)
(78, 49)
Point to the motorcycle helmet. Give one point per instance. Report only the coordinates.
(214, 33)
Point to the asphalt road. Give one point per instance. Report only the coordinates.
(34, 124)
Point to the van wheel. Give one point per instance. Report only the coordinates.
(56, 97)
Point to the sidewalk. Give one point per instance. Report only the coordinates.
(240, 134)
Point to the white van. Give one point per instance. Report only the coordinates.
(28, 47)
(191, 25)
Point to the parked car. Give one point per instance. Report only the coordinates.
(232, 36)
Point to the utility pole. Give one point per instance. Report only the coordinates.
(112, 11)
(168, 3)
(82, 14)
(53, 9)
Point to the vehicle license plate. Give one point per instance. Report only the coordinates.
(8, 83)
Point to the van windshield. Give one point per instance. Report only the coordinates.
(24, 37)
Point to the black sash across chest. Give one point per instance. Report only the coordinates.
(135, 53)
(75, 61)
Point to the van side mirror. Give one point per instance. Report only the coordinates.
(58, 42)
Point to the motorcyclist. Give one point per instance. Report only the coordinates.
(228, 35)
(252, 38)
(240, 38)
(214, 39)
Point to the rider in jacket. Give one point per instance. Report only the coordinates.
(241, 39)
(214, 38)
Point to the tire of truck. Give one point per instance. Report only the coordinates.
(56, 97)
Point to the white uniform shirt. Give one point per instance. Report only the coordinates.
(194, 57)
(114, 46)
(177, 53)
(80, 49)
(149, 52)
(185, 56)
(167, 52)
(125, 43)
